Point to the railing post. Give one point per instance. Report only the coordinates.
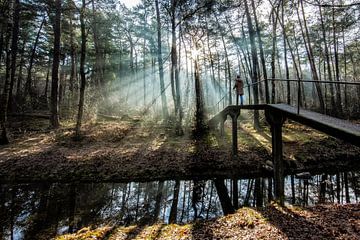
(299, 97)
(276, 120)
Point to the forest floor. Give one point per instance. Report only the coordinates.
(271, 222)
(133, 149)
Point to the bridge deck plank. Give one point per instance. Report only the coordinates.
(319, 118)
(332, 126)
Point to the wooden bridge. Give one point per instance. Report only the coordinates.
(276, 114)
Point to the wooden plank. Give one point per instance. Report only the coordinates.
(335, 127)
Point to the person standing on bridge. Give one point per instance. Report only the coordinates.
(239, 86)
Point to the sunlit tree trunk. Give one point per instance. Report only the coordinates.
(175, 70)
(199, 98)
(160, 62)
(273, 53)
(262, 55)
(254, 65)
(310, 54)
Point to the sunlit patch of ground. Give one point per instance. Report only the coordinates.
(271, 222)
(133, 150)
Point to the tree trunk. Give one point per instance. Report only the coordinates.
(82, 71)
(262, 55)
(287, 74)
(28, 83)
(175, 70)
(310, 54)
(5, 94)
(54, 106)
(254, 65)
(327, 57)
(73, 70)
(14, 48)
(339, 109)
(20, 75)
(273, 53)
(165, 111)
(199, 99)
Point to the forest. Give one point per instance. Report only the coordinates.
(121, 92)
(76, 59)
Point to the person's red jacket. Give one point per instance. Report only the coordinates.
(239, 85)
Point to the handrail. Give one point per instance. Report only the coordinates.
(314, 81)
(298, 81)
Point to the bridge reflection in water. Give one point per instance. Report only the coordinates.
(35, 211)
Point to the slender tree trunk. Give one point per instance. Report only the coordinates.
(175, 70)
(346, 105)
(287, 74)
(73, 71)
(160, 62)
(254, 65)
(82, 70)
(311, 57)
(28, 83)
(273, 53)
(199, 99)
(20, 75)
(54, 106)
(262, 55)
(47, 80)
(99, 61)
(5, 94)
(327, 57)
(339, 109)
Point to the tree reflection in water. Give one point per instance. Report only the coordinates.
(32, 211)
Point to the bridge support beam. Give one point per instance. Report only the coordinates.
(276, 120)
(234, 117)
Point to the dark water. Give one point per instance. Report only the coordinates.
(30, 211)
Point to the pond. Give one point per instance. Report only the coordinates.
(34, 210)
